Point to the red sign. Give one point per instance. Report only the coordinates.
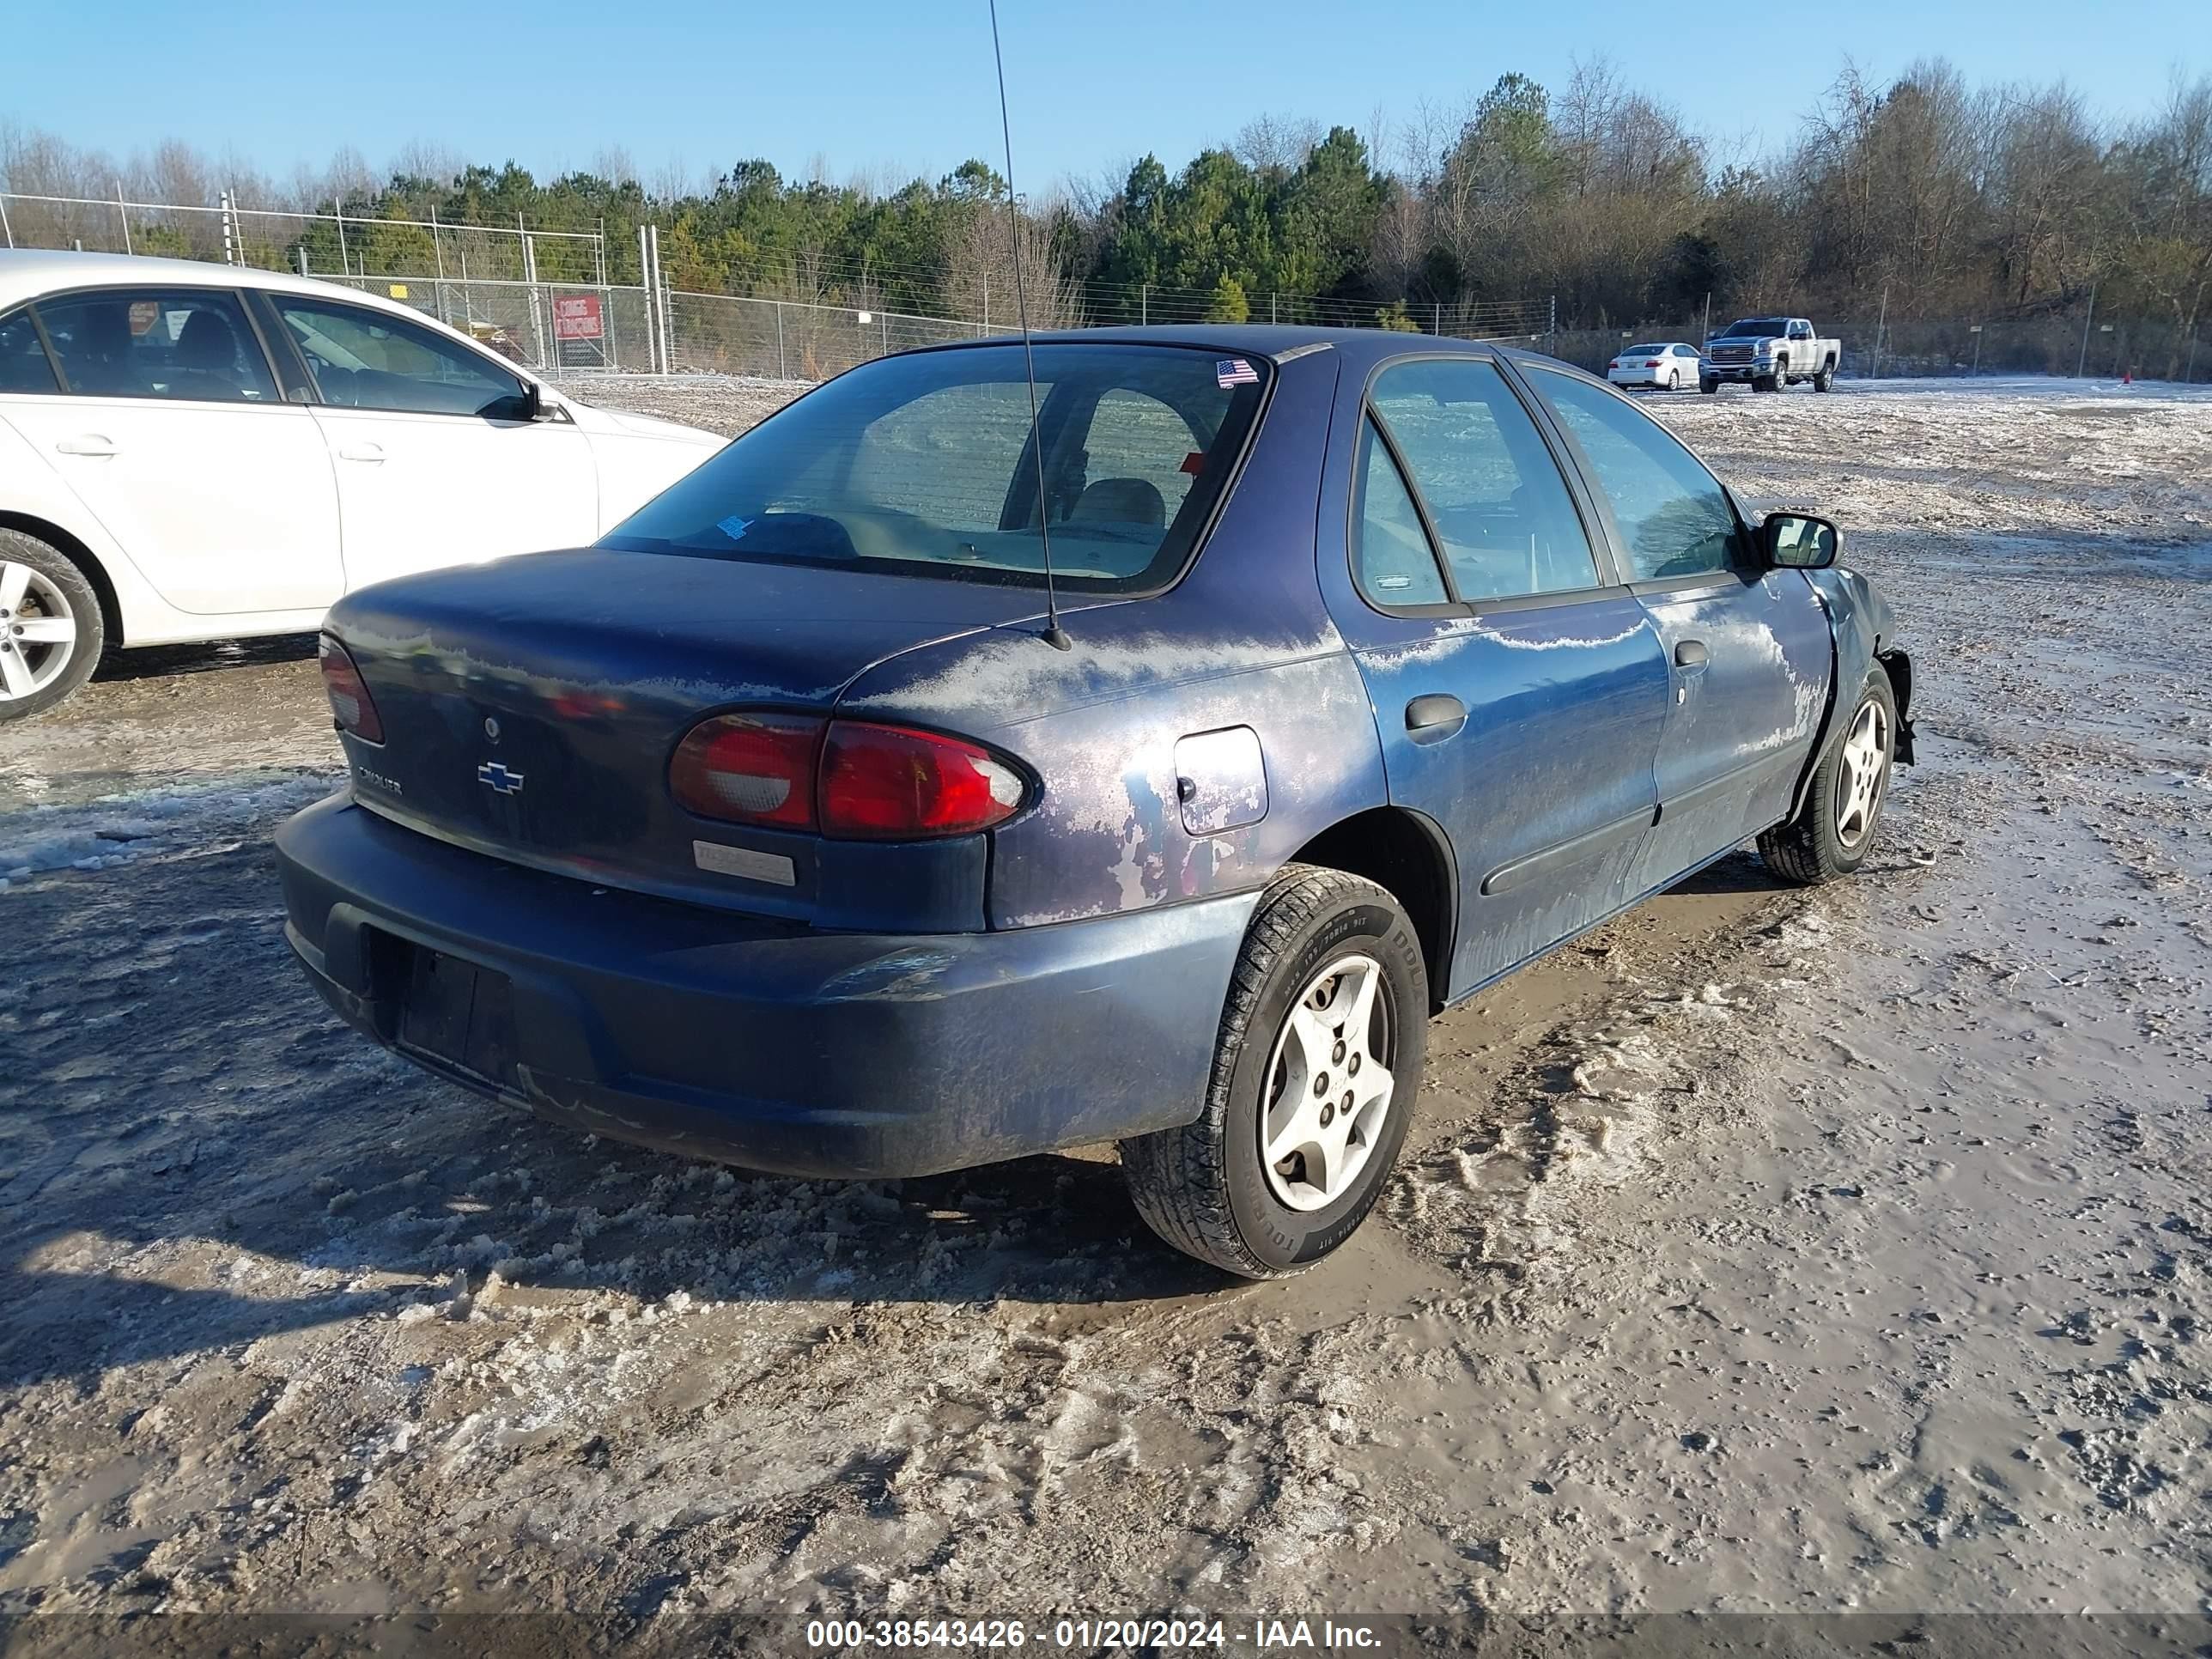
(576, 316)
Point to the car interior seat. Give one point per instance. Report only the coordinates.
(1122, 501)
(207, 355)
(97, 354)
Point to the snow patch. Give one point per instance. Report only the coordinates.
(121, 828)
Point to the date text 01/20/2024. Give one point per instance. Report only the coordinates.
(1091, 1634)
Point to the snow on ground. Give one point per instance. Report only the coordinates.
(113, 830)
(1765, 1251)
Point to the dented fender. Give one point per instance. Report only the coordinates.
(1862, 626)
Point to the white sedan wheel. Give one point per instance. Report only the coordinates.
(38, 632)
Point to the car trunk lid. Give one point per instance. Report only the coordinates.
(530, 708)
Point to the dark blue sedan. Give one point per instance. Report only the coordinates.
(779, 828)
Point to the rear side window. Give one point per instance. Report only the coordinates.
(151, 342)
(363, 359)
(1501, 510)
(1139, 440)
(1674, 516)
(924, 464)
(1394, 563)
(23, 365)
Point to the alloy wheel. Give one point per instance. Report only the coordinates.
(1864, 774)
(38, 632)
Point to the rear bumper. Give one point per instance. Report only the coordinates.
(773, 1047)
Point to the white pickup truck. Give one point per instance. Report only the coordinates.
(1769, 352)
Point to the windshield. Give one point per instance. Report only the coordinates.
(923, 463)
(1643, 351)
(1757, 326)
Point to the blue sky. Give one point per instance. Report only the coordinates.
(902, 90)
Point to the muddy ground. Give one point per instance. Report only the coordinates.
(1768, 1251)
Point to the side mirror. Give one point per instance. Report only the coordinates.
(1800, 541)
(531, 404)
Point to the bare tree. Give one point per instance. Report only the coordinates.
(979, 271)
(1276, 143)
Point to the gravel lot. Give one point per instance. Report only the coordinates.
(1767, 1251)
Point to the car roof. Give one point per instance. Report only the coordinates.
(1362, 347)
(26, 273)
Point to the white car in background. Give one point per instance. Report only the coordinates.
(1670, 365)
(196, 451)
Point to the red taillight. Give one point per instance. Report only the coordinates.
(350, 704)
(888, 783)
(1654, 364)
(750, 768)
(852, 780)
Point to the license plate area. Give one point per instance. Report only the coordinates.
(454, 1014)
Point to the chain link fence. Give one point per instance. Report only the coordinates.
(502, 285)
(705, 333)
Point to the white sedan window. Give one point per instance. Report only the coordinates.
(145, 343)
(365, 359)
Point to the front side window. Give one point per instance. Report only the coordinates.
(1501, 510)
(1392, 560)
(1674, 516)
(924, 464)
(23, 365)
(363, 359)
(152, 342)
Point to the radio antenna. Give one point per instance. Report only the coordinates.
(1055, 634)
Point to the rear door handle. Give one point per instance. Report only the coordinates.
(371, 453)
(88, 443)
(1435, 717)
(1690, 654)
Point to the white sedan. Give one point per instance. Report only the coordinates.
(1670, 365)
(198, 452)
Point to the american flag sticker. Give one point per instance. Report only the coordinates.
(1235, 371)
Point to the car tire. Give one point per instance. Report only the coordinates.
(1709, 386)
(1835, 825)
(1673, 380)
(39, 584)
(1825, 378)
(1318, 936)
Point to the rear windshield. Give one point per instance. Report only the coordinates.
(1643, 351)
(924, 462)
(1756, 326)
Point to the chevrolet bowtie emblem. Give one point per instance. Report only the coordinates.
(495, 776)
